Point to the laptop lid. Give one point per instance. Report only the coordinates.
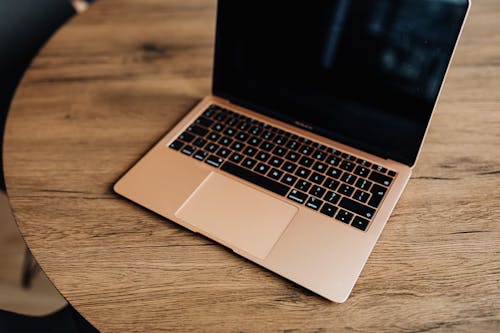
(366, 73)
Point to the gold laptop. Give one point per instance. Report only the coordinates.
(317, 114)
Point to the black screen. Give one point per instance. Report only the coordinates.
(363, 72)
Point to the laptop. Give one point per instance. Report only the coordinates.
(317, 114)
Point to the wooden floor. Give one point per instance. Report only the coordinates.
(42, 298)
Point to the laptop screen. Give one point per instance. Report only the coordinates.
(366, 73)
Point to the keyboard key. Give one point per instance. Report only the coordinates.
(238, 146)
(361, 196)
(317, 178)
(303, 185)
(361, 171)
(250, 151)
(320, 167)
(306, 161)
(242, 136)
(363, 162)
(347, 165)
(249, 163)
(256, 130)
(254, 141)
(380, 178)
(344, 216)
(348, 157)
(204, 122)
(230, 131)
(225, 141)
(276, 161)
(267, 146)
(378, 193)
(319, 155)
(297, 196)
(280, 151)
(334, 172)
(212, 147)
(348, 178)
(262, 168)
(267, 135)
(176, 145)
(213, 136)
(262, 156)
(223, 152)
(289, 167)
(288, 179)
(331, 184)
(280, 140)
(275, 174)
(332, 197)
(328, 210)
(317, 191)
(306, 150)
(255, 178)
(199, 142)
(360, 223)
(188, 150)
(314, 203)
(292, 156)
(303, 172)
(214, 161)
(277, 130)
(363, 184)
(379, 168)
(200, 155)
(236, 158)
(198, 130)
(243, 126)
(357, 208)
(218, 127)
(221, 116)
(346, 190)
(231, 122)
(293, 145)
(333, 160)
(210, 111)
(186, 137)
(392, 173)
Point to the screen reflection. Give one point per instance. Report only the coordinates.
(364, 72)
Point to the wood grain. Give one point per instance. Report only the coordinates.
(114, 80)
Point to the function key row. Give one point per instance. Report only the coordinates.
(242, 122)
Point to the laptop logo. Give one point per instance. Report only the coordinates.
(303, 125)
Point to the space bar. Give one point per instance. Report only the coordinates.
(255, 178)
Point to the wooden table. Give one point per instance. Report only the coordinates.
(114, 80)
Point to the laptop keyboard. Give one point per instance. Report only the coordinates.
(324, 179)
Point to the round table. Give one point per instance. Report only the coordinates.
(115, 79)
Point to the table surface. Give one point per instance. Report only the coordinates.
(115, 79)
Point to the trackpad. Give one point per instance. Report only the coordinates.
(236, 214)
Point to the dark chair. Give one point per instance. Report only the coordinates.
(66, 320)
(25, 25)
